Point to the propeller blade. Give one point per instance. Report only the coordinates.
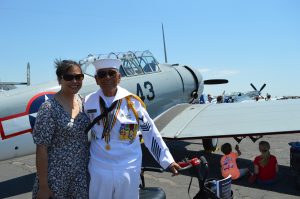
(253, 87)
(263, 86)
(215, 81)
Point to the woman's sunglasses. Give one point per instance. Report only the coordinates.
(69, 77)
(103, 73)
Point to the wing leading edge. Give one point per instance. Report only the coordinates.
(186, 121)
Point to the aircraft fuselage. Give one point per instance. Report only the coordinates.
(160, 90)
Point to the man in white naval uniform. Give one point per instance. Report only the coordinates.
(116, 155)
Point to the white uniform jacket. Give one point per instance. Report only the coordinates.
(125, 151)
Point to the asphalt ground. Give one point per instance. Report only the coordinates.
(17, 175)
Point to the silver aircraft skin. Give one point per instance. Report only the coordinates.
(168, 91)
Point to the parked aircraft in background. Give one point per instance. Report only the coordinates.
(245, 96)
(4, 86)
(250, 96)
(168, 90)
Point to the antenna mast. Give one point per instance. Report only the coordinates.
(165, 51)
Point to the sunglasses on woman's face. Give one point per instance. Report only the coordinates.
(69, 77)
(103, 73)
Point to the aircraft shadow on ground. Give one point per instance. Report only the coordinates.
(17, 186)
(285, 185)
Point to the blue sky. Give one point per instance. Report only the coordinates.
(244, 41)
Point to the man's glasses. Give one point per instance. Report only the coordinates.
(103, 73)
(69, 77)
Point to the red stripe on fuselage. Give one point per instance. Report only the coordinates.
(3, 136)
(1, 131)
(18, 133)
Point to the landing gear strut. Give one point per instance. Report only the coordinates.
(210, 144)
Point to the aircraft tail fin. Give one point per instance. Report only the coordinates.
(28, 74)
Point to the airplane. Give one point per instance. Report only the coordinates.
(4, 86)
(168, 90)
(249, 96)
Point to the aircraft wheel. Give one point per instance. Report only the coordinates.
(210, 144)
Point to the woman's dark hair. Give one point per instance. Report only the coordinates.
(226, 148)
(63, 66)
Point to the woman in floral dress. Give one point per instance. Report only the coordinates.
(62, 150)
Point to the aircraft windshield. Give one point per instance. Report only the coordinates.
(134, 63)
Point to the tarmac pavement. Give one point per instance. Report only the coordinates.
(17, 175)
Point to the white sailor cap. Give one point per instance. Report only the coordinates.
(107, 63)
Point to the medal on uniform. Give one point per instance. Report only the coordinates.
(106, 139)
(108, 122)
(107, 147)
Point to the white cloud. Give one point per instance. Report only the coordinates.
(214, 73)
(204, 70)
(226, 73)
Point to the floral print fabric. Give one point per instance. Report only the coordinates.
(68, 149)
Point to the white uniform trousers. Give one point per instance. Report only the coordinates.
(113, 183)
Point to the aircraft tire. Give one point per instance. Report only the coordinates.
(210, 144)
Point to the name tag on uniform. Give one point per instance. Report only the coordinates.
(91, 111)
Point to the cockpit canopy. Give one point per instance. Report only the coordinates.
(134, 63)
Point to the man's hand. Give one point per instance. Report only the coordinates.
(174, 167)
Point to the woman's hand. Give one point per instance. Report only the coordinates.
(44, 193)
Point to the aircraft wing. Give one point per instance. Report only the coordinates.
(186, 121)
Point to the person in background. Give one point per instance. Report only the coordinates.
(228, 162)
(209, 98)
(219, 99)
(265, 165)
(62, 150)
(116, 155)
(201, 100)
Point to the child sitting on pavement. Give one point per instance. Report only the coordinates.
(228, 162)
(265, 165)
